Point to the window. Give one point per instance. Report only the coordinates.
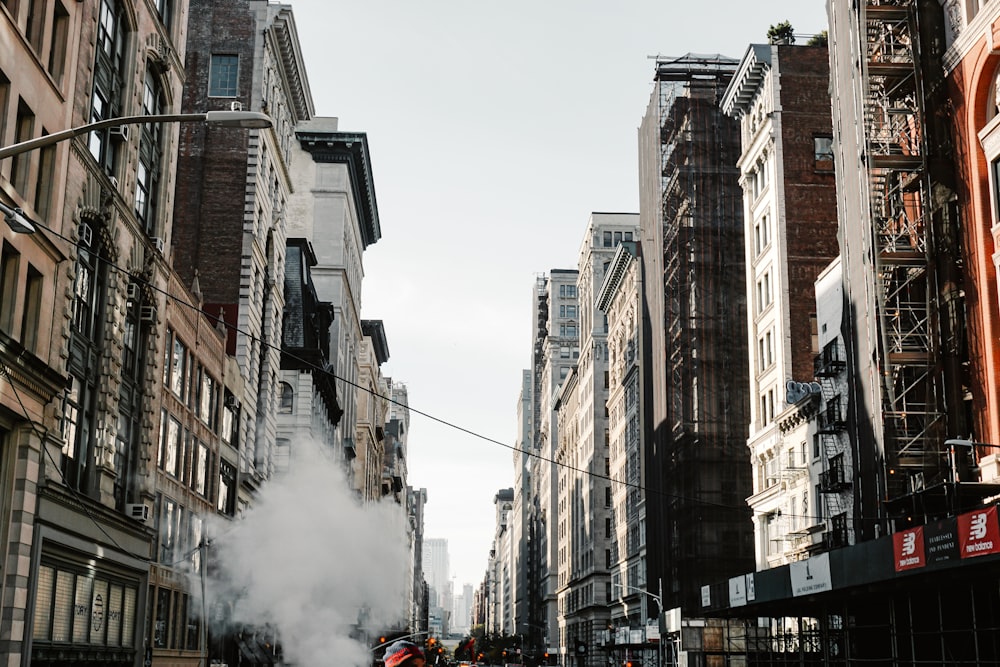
(60, 37)
(607, 240)
(34, 23)
(4, 96)
(164, 9)
(178, 361)
(209, 398)
(199, 469)
(109, 82)
(287, 399)
(823, 152)
(46, 176)
(763, 292)
(32, 309)
(226, 503)
(10, 260)
(170, 523)
(762, 234)
(20, 164)
(150, 145)
(223, 76)
(170, 456)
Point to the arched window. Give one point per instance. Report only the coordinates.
(287, 398)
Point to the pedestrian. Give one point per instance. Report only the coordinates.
(403, 654)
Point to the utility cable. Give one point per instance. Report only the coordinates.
(444, 422)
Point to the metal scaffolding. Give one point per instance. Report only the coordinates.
(903, 239)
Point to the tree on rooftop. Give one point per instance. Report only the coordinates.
(781, 33)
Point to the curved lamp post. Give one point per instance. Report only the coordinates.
(659, 613)
(15, 217)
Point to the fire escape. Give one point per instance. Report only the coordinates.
(905, 289)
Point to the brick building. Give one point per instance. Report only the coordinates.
(790, 213)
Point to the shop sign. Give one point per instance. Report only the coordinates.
(908, 549)
(941, 541)
(741, 590)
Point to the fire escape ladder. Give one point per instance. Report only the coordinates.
(899, 196)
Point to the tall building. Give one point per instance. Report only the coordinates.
(334, 206)
(582, 453)
(93, 382)
(500, 620)
(521, 506)
(242, 55)
(694, 281)
(790, 227)
(619, 298)
(555, 349)
(417, 499)
(436, 567)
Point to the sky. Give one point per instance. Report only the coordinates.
(495, 129)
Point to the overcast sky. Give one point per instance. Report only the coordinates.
(495, 129)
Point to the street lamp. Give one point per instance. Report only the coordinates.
(19, 223)
(659, 613)
(244, 119)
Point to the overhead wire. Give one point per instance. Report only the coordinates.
(444, 422)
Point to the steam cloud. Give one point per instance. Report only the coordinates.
(312, 561)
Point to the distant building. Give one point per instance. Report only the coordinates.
(555, 349)
(583, 452)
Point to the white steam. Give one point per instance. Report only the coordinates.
(311, 561)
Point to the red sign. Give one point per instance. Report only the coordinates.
(908, 549)
(979, 533)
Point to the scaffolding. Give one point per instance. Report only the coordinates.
(903, 238)
(700, 438)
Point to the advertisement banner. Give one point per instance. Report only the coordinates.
(737, 591)
(908, 549)
(811, 575)
(979, 533)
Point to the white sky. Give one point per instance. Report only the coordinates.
(495, 129)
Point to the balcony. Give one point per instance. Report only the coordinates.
(831, 420)
(834, 480)
(830, 362)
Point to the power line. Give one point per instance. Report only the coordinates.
(444, 422)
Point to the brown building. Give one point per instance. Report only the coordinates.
(790, 213)
(232, 196)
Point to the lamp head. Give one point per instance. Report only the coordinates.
(253, 120)
(14, 217)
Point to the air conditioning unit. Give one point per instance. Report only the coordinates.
(147, 314)
(132, 291)
(236, 106)
(158, 242)
(114, 181)
(85, 233)
(119, 133)
(230, 401)
(137, 511)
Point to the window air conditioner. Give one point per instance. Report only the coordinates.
(230, 401)
(119, 133)
(85, 233)
(158, 242)
(137, 511)
(236, 106)
(132, 291)
(147, 314)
